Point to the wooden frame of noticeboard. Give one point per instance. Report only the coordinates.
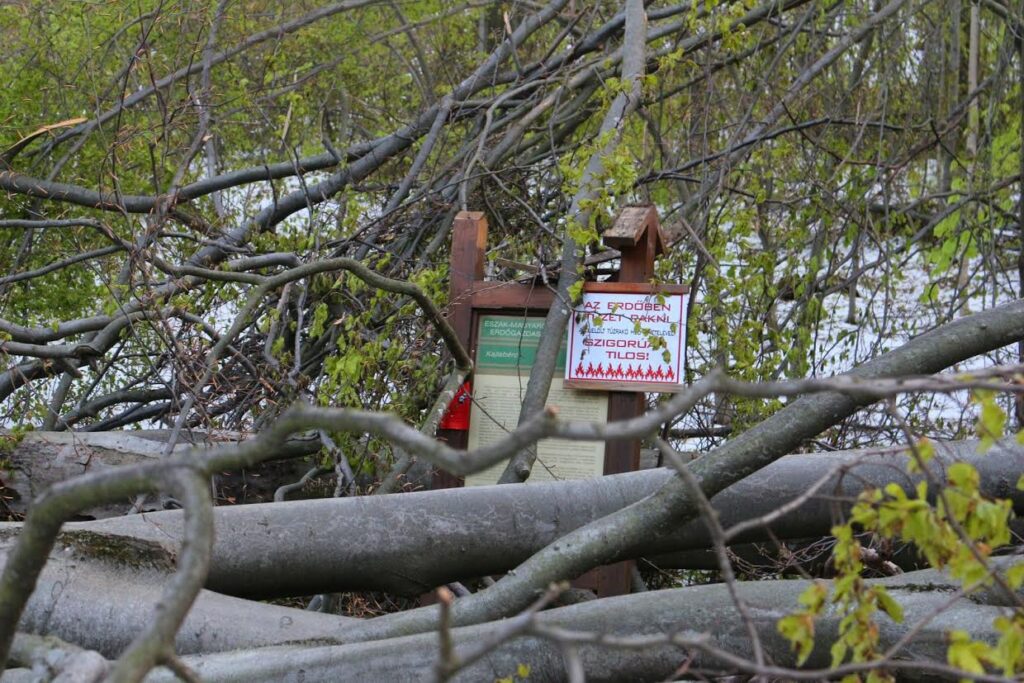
(637, 235)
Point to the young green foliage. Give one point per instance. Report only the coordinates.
(958, 533)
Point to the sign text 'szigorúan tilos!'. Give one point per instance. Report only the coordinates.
(628, 339)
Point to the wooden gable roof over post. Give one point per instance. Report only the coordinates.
(636, 233)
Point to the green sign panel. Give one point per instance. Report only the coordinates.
(507, 345)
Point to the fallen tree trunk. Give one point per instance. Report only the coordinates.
(703, 617)
(99, 592)
(640, 637)
(36, 460)
(435, 537)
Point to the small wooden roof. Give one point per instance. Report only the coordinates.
(631, 225)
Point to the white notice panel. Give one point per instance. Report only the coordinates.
(495, 412)
(506, 349)
(627, 341)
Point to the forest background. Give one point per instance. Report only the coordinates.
(226, 225)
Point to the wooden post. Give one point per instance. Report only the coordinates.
(465, 269)
(637, 235)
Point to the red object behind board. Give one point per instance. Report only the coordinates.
(457, 415)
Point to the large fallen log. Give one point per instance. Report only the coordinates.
(411, 543)
(99, 592)
(703, 615)
(35, 460)
(313, 645)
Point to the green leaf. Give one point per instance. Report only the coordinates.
(316, 328)
(991, 421)
(813, 597)
(838, 650)
(965, 653)
(963, 476)
(1009, 651)
(576, 290)
(798, 629)
(1015, 575)
(888, 605)
(926, 449)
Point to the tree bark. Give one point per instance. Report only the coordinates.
(100, 593)
(699, 613)
(40, 459)
(436, 537)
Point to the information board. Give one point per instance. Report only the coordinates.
(627, 341)
(506, 350)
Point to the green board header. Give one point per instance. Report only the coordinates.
(507, 345)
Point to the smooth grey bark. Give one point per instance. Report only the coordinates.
(100, 593)
(41, 459)
(702, 614)
(435, 537)
(40, 658)
(694, 612)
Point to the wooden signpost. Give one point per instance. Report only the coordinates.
(626, 339)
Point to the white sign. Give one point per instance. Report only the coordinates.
(626, 341)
